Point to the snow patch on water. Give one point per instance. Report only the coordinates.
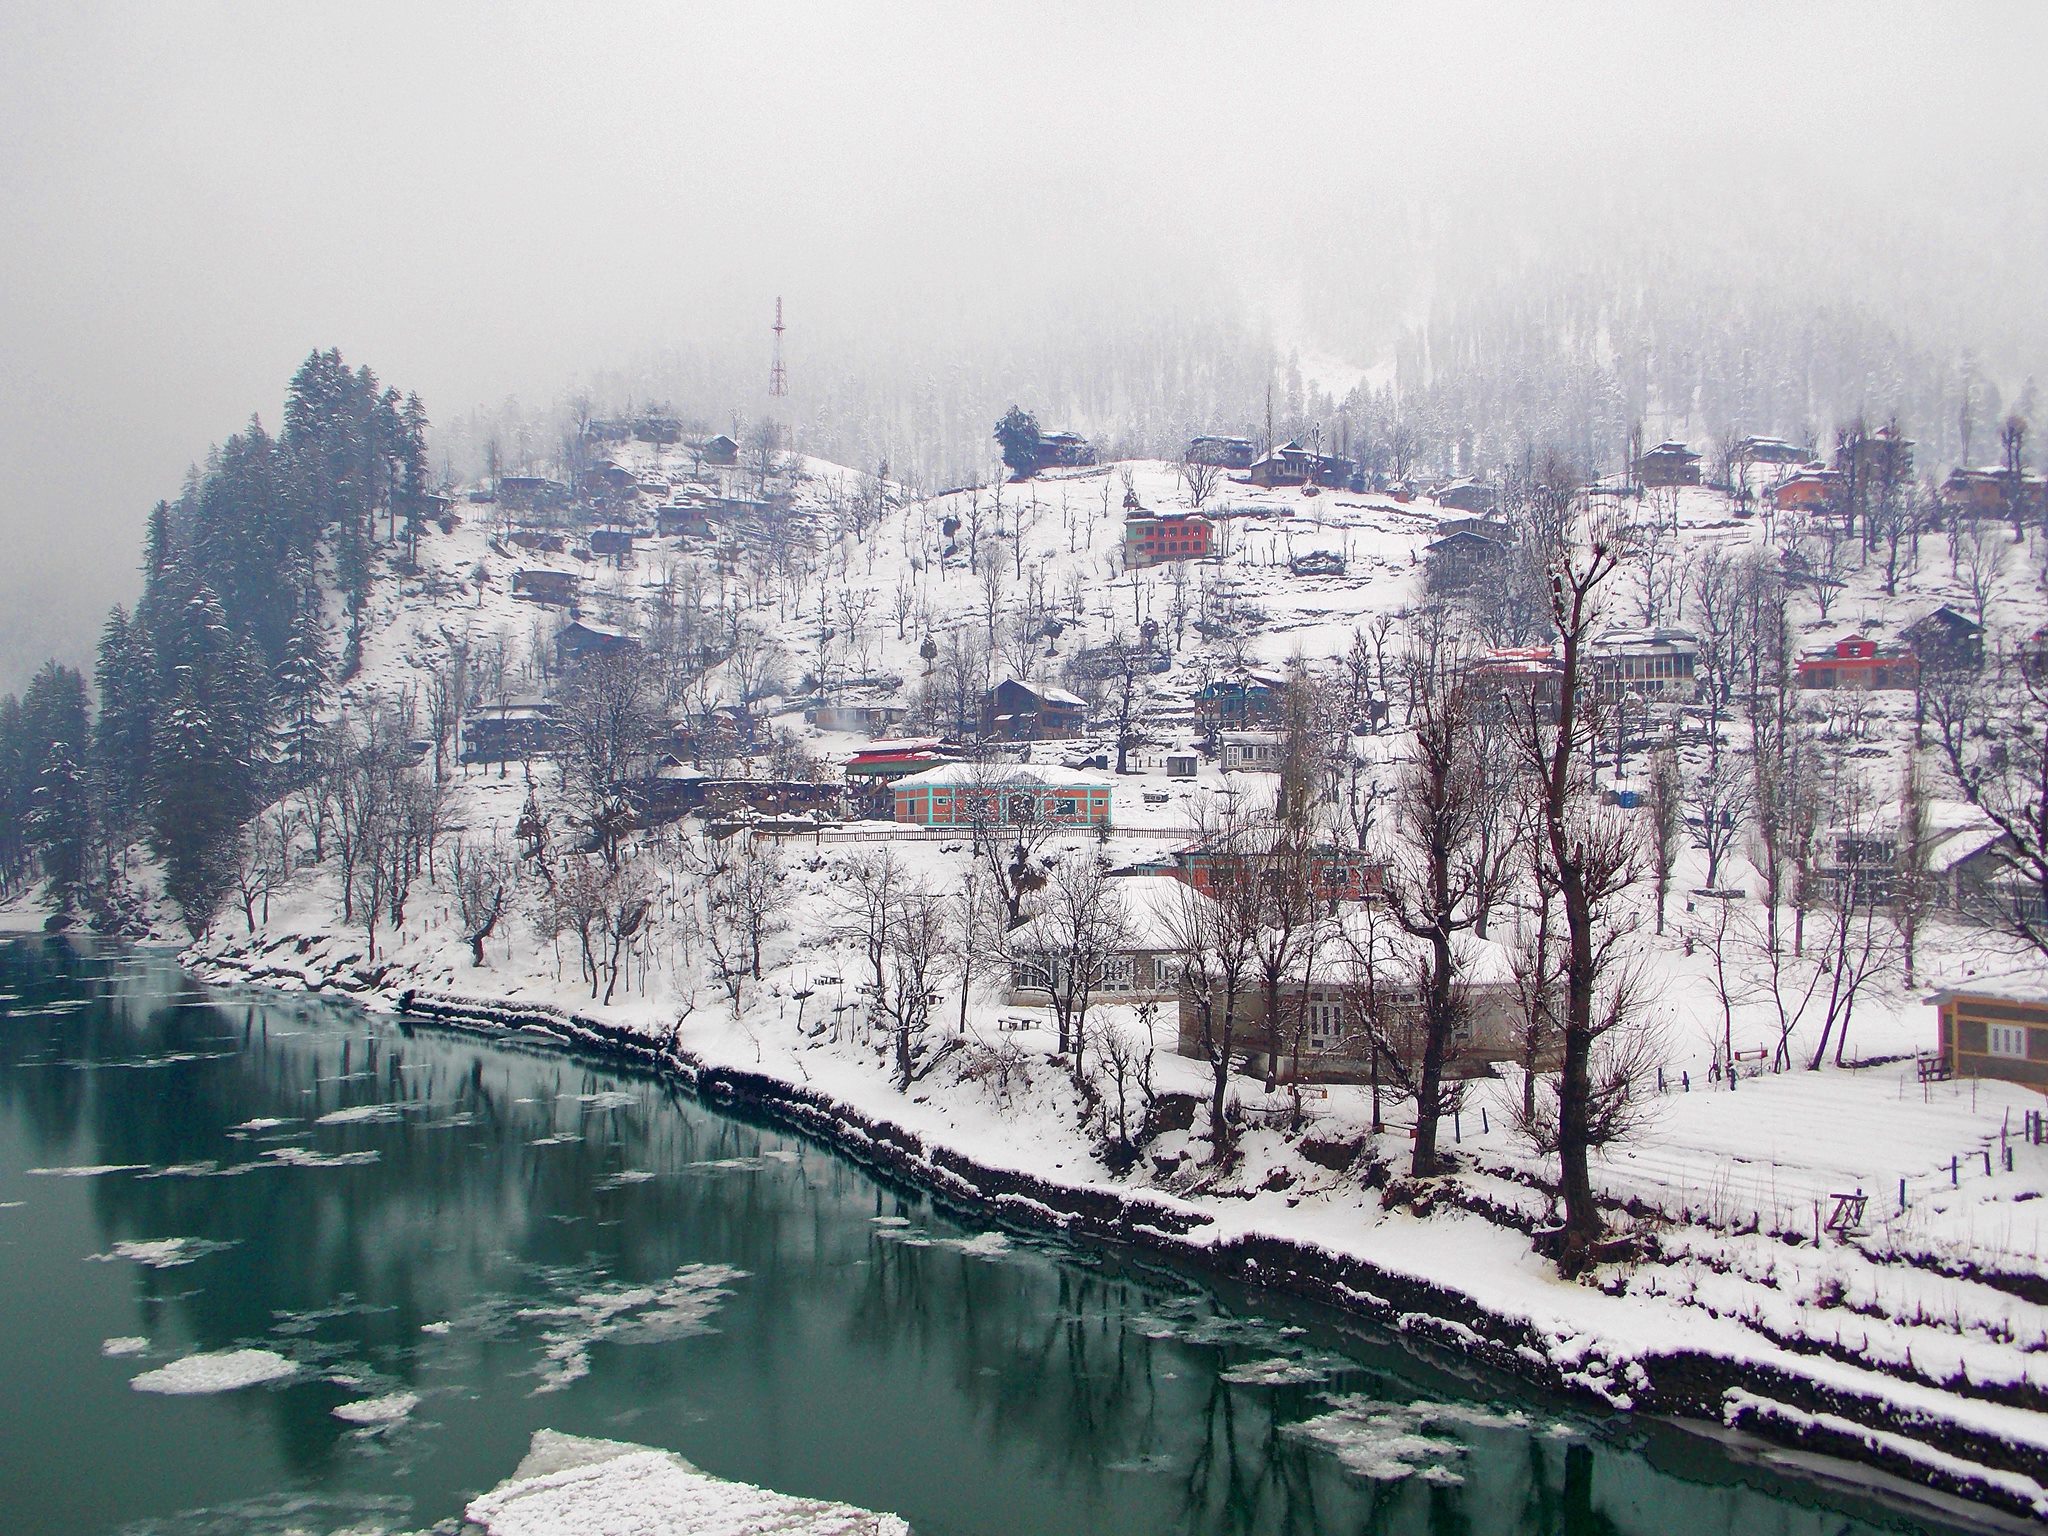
(983, 1245)
(628, 1314)
(124, 1344)
(225, 1370)
(624, 1177)
(610, 1099)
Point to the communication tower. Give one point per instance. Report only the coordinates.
(778, 378)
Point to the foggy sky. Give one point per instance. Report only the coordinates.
(489, 201)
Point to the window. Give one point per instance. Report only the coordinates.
(2009, 1040)
(1069, 807)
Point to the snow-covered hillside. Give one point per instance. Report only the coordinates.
(864, 594)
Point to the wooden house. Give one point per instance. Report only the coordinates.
(1947, 640)
(1644, 663)
(1235, 703)
(1991, 1032)
(1462, 560)
(1808, 490)
(682, 519)
(1014, 710)
(1291, 464)
(1223, 452)
(1668, 463)
(612, 542)
(1770, 450)
(509, 732)
(1876, 456)
(1988, 493)
(1472, 496)
(1063, 450)
(720, 452)
(577, 642)
(547, 584)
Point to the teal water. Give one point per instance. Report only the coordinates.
(519, 1239)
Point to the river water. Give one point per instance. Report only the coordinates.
(412, 1248)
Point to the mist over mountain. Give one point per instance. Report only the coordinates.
(1535, 225)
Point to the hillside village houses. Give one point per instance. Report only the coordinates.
(1462, 540)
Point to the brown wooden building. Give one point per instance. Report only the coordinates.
(1987, 1034)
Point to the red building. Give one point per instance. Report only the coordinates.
(1160, 538)
(1337, 874)
(1859, 663)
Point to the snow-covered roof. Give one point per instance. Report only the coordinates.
(996, 776)
(1045, 691)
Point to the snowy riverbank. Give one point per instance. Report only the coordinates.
(1703, 1327)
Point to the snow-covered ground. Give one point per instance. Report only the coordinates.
(1933, 1305)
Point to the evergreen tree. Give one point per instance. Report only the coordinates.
(1017, 436)
(125, 678)
(55, 741)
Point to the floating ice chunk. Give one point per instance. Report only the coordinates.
(225, 1370)
(306, 1157)
(1390, 1441)
(628, 1314)
(624, 1177)
(1280, 1372)
(568, 1484)
(161, 1252)
(610, 1099)
(436, 1328)
(90, 1170)
(983, 1245)
(391, 1408)
(124, 1344)
(888, 1221)
(361, 1114)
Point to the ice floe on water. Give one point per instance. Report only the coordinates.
(224, 1370)
(161, 1252)
(888, 1221)
(984, 1245)
(263, 1123)
(362, 1114)
(306, 1157)
(628, 1314)
(124, 1345)
(90, 1170)
(1285, 1371)
(611, 1098)
(391, 1408)
(570, 1484)
(1389, 1441)
(624, 1177)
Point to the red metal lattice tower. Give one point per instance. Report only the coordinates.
(778, 379)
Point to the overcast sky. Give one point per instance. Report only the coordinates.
(482, 201)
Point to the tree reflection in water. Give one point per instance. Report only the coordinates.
(870, 1352)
